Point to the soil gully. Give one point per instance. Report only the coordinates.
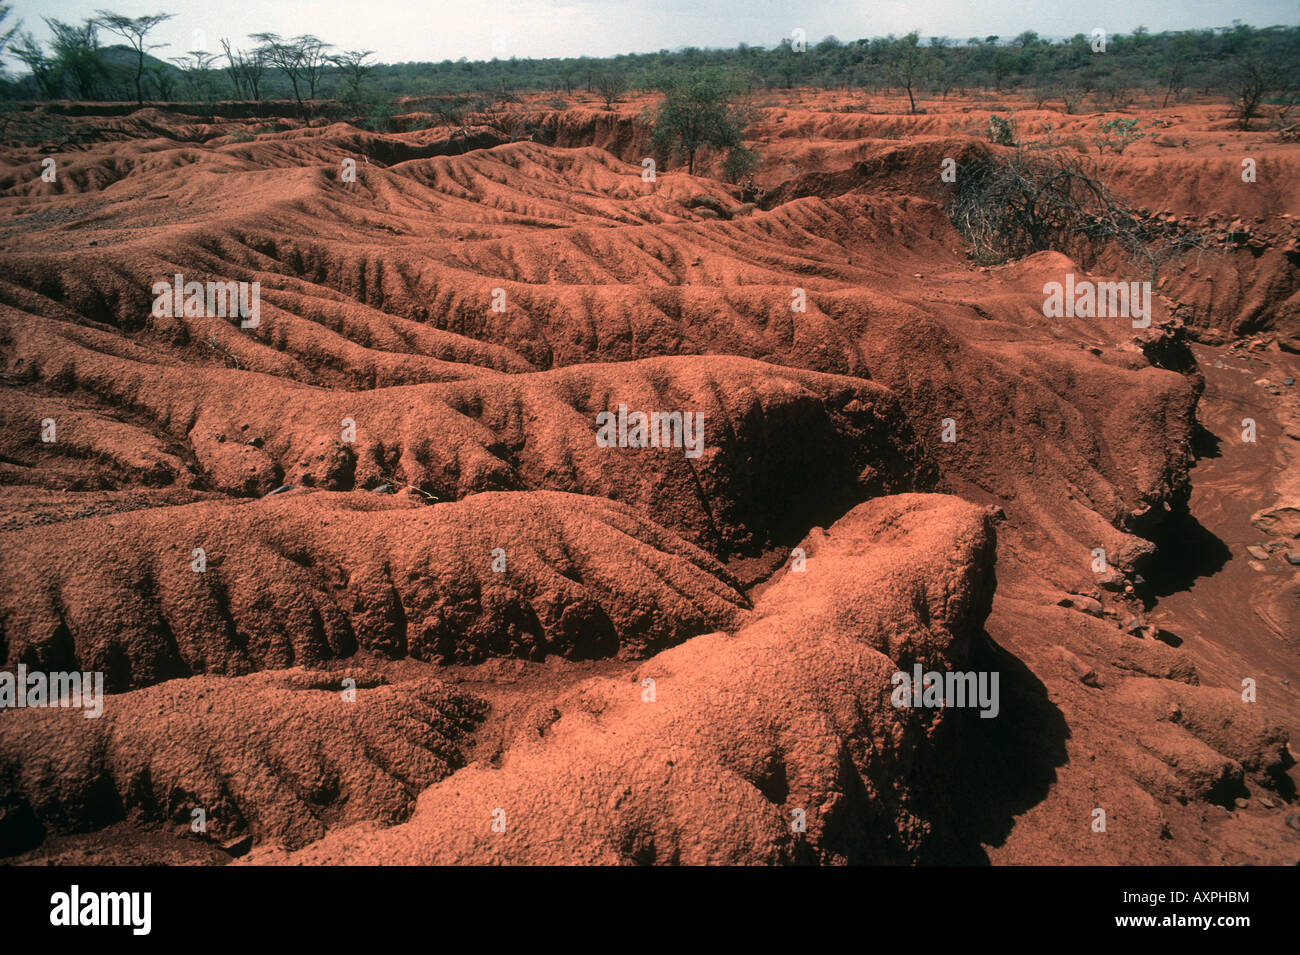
(1233, 479)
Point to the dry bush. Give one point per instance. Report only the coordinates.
(1071, 99)
(1031, 201)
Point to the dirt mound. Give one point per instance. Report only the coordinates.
(707, 753)
(775, 449)
(278, 757)
(302, 578)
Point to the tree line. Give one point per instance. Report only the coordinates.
(1247, 64)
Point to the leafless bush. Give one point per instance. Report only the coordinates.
(611, 86)
(1252, 81)
(1071, 99)
(1031, 201)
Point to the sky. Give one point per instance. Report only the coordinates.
(482, 29)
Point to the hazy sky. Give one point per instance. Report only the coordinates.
(481, 29)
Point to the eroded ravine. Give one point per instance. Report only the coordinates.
(1070, 433)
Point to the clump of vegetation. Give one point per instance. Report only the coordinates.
(457, 110)
(700, 111)
(380, 115)
(1071, 99)
(741, 163)
(1001, 132)
(1118, 134)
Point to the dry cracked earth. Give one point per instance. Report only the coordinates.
(365, 587)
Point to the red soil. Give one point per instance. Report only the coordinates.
(624, 564)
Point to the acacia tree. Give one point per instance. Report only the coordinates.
(134, 30)
(314, 58)
(354, 66)
(286, 56)
(7, 36)
(302, 59)
(197, 67)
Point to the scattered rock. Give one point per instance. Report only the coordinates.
(1085, 674)
(1083, 604)
(1280, 520)
(239, 846)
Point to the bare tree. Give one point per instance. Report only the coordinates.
(232, 68)
(1252, 80)
(1174, 66)
(134, 30)
(611, 86)
(245, 70)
